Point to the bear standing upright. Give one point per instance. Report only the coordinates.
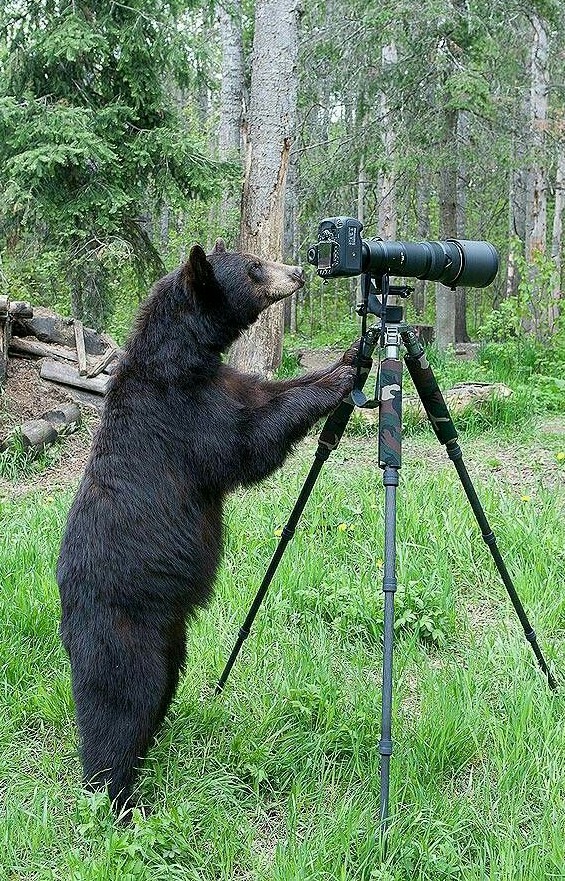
(144, 535)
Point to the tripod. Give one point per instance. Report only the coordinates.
(391, 335)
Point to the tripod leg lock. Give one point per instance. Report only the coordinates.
(454, 451)
(489, 538)
(385, 747)
(531, 636)
(287, 533)
(390, 477)
(389, 585)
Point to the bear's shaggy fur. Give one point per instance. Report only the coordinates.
(144, 534)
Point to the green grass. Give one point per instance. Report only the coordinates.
(278, 779)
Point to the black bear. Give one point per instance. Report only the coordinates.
(144, 534)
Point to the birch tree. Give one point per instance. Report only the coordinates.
(387, 201)
(557, 238)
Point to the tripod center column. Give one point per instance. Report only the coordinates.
(390, 458)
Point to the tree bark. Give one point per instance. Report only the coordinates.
(556, 239)
(536, 205)
(291, 243)
(387, 183)
(357, 283)
(272, 114)
(536, 202)
(231, 102)
(445, 298)
(516, 213)
(164, 226)
(461, 334)
(423, 187)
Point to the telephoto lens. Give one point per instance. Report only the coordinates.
(452, 262)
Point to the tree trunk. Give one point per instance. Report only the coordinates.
(536, 203)
(536, 206)
(164, 227)
(445, 298)
(423, 187)
(556, 237)
(291, 243)
(90, 294)
(516, 214)
(387, 183)
(272, 114)
(231, 103)
(461, 334)
(357, 283)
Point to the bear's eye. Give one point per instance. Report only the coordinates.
(256, 270)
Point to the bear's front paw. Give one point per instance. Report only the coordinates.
(350, 356)
(343, 379)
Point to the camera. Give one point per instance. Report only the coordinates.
(341, 252)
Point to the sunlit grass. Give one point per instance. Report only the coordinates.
(278, 779)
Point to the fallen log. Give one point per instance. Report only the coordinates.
(66, 417)
(49, 327)
(67, 375)
(79, 344)
(85, 399)
(5, 331)
(36, 434)
(461, 397)
(20, 309)
(104, 362)
(30, 347)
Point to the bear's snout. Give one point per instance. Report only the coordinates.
(298, 274)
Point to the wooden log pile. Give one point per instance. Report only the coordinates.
(72, 356)
(36, 434)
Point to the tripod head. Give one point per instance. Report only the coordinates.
(372, 305)
(376, 290)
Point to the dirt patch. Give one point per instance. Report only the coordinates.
(524, 466)
(317, 359)
(26, 396)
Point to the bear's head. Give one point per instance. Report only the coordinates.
(232, 289)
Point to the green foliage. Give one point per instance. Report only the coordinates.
(290, 365)
(505, 322)
(90, 139)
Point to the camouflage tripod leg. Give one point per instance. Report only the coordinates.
(390, 435)
(442, 424)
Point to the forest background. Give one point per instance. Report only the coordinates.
(130, 130)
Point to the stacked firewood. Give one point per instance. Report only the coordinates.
(74, 355)
(73, 358)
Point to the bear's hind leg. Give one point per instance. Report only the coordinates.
(120, 690)
(176, 657)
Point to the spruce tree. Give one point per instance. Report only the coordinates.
(90, 136)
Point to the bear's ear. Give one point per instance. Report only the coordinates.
(219, 247)
(197, 271)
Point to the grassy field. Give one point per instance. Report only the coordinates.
(279, 778)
